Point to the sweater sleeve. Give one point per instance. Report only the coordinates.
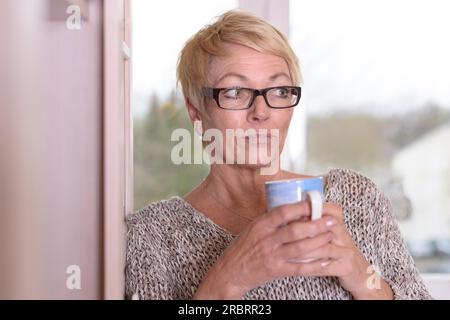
(145, 274)
(393, 259)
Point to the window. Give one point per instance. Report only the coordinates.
(159, 32)
(376, 79)
(374, 99)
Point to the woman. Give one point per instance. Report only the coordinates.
(218, 241)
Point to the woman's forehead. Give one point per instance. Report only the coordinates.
(235, 54)
(243, 63)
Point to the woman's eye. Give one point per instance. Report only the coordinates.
(282, 92)
(232, 93)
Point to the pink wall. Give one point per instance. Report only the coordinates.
(52, 195)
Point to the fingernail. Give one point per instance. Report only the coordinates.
(325, 263)
(330, 222)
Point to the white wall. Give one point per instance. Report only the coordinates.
(438, 285)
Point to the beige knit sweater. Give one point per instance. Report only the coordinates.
(171, 247)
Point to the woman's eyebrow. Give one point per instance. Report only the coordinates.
(279, 74)
(244, 78)
(232, 74)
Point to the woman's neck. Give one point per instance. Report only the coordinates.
(241, 188)
(233, 196)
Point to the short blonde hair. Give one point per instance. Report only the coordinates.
(234, 26)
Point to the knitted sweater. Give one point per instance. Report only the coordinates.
(171, 246)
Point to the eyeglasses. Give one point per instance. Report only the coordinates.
(236, 98)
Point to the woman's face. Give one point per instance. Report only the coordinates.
(245, 67)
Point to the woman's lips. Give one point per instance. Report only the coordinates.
(259, 138)
(259, 135)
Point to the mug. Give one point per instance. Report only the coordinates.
(281, 192)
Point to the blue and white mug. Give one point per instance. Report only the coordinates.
(281, 192)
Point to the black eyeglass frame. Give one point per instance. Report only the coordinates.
(214, 93)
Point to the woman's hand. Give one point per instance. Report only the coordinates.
(268, 248)
(264, 251)
(346, 262)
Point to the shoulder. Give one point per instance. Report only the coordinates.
(353, 188)
(154, 222)
(365, 206)
(149, 240)
(153, 213)
(367, 211)
(149, 249)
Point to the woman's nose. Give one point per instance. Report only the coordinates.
(259, 111)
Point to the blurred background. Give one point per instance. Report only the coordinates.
(88, 101)
(375, 98)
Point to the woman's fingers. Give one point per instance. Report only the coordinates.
(297, 230)
(327, 260)
(327, 251)
(285, 214)
(341, 236)
(299, 211)
(334, 210)
(314, 268)
(299, 249)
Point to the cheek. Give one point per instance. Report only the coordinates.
(282, 119)
(228, 120)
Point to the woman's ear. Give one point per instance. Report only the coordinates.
(194, 112)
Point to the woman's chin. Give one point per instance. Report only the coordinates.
(267, 166)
